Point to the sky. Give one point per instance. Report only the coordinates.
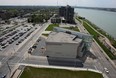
(87, 3)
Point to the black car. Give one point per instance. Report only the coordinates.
(10, 41)
(4, 76)
(38, 40)
(34, 46)
(1, 39)
(4, 46)
(17, 43)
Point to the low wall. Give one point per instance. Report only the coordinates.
(66, 68)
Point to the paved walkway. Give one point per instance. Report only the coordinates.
(17, 73)
(46, 32)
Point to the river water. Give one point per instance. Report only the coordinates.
(104, 19)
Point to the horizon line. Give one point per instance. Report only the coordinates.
(56, 6)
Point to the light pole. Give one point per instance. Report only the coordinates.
(8, 68)
(13, 50)
(75, 63)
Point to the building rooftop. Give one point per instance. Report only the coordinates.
(62, 37)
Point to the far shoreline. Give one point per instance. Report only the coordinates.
(100, 9)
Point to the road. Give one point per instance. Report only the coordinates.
(101, 61)
(43, 60)
(21, 52)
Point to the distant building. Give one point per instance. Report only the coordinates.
(67, 12)
(65, 43)
(55, 19)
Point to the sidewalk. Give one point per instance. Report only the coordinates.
(46, 32)
(17, 74)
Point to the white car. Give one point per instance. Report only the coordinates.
(0, 49)
(106, 70)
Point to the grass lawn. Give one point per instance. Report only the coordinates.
(31, 72)
(96, 35)
(51, 26)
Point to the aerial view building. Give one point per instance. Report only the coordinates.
(67, 44)
(57, 39)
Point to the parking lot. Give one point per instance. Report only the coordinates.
(38, 48)
(11, 41)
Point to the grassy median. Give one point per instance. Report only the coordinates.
(30, 72)
(112, 40)
(96, 35)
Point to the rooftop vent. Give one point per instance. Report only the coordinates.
(68, 32)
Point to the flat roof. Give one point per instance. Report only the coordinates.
(62, 37)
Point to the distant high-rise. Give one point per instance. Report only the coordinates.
(67, 12)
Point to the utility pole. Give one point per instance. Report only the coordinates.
(13, 49)
(8, 66)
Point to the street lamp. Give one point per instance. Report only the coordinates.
(13, 49)
(8, 68)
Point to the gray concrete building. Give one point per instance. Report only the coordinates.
(65, 44)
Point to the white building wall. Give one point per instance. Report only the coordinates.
(65, 50)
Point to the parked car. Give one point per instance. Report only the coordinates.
(106, 70)
(17, 43)
(10, 41)
(0, 49)
(5, 46)
(4, 76)
(34, 46)
(38, 40)
(2, 44)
